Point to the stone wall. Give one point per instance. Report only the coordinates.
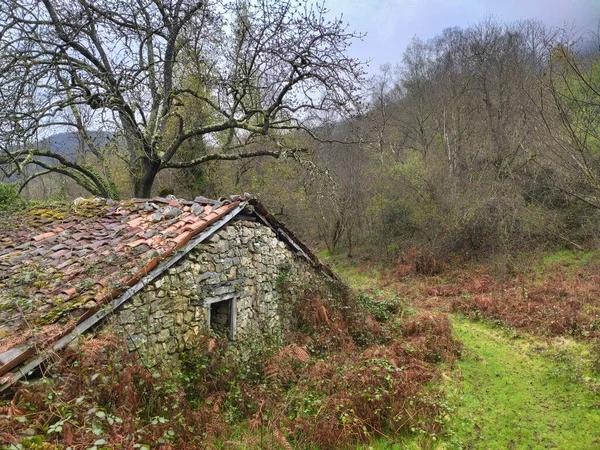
(244, 265)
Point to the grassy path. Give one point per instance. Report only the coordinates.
(510, 393)
(512, 396)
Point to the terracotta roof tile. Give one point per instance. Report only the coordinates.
(64, 265)
(181, 239)
(98, 248)
(69, 292)
(64, 252)
(136, 243)
(41, 237)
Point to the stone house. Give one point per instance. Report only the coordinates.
(160, 271)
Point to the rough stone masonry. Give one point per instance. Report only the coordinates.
(229, 285)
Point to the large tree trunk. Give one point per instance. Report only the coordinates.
(142, 184)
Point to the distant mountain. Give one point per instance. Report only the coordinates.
(69, 144)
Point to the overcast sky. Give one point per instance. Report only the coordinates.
(391, 24)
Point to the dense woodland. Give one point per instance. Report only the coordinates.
(483, 138)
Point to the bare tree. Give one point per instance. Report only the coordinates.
(568, 102)
(165, 75)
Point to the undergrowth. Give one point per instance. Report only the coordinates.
(561, 302)
(529, 374)
(350, 372)
(99, 396)
(555, 294)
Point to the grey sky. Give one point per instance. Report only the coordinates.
(391, 24)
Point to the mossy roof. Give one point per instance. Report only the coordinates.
(59, 265)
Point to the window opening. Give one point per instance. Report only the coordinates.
(221, 318)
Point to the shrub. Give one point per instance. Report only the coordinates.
(10, 200)
(100, 396)
(341, 378)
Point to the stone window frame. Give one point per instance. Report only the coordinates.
(232, 312)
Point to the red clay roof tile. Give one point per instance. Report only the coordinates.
(70, 291)
(43, 236)
(99, 249)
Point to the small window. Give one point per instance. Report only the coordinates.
(221, 318)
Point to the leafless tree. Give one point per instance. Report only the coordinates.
(161, 76)
(568, 102)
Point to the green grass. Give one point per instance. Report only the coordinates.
(568, 258)
(510, 396)
(515, 392)
(387, 444)
(509, 390)
(346, 268)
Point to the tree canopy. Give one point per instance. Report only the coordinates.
(208, 76)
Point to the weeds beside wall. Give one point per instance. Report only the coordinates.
(349, 372)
